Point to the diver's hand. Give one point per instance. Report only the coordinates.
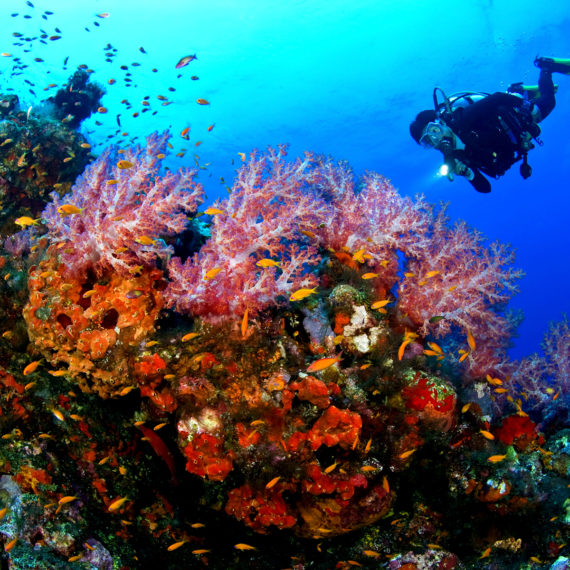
(461, 169)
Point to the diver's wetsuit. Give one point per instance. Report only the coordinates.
(492, 130)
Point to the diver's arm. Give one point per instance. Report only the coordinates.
(460, 168)
(479, 182)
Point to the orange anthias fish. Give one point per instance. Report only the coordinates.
(145, 240)
(176, 545)
(496, 458)
(212, 273)
(266, 262)
(25, 221)
(68, 210)
(189, 336)
(211, 211)
(323, 363)
(471, 340)
(302, 294)
(244, 322)
(115, 505)
(31, 367)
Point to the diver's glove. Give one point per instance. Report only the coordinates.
(461, 169)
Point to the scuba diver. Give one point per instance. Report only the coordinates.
(479, 133)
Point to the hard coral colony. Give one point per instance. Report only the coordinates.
(316, 417)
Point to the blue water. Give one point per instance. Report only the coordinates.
(335, 77)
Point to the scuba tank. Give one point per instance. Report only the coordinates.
(519, 126)
(444, 108)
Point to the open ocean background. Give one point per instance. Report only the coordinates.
(335, 77)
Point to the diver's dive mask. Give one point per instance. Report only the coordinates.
(436, 133)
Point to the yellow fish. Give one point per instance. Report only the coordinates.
(200, 551)
(486, 434)
(124, 164)
(244, 322)
(323, 363)
(435, 347)
(403, 348)
(117, 504)
(9, 545)
(470, 340)
(25, 221)
(273, 482)
(496, 458)
(242, 546)
(359, 255)
(66, 499)
(430, 274)
(493, 381)
(189, 336)
(213, 211)
(370, 275)
(265, 262)
(380, 304)
(406, 454)
(176, 545)
(212, 273)
(464, 355)
(331, 467)
(302, 294)
(145, 240)
(30, 368)
(69, 209)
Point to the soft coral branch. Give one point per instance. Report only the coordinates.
(459, 278)
(115, 215)
(270, 203)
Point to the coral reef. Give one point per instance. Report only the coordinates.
(37, 154)
(325, 377)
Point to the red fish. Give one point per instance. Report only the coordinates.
(160, 449)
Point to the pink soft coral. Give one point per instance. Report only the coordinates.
(140, 204)
(270, 205)
(545, 380)
(457, 277)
